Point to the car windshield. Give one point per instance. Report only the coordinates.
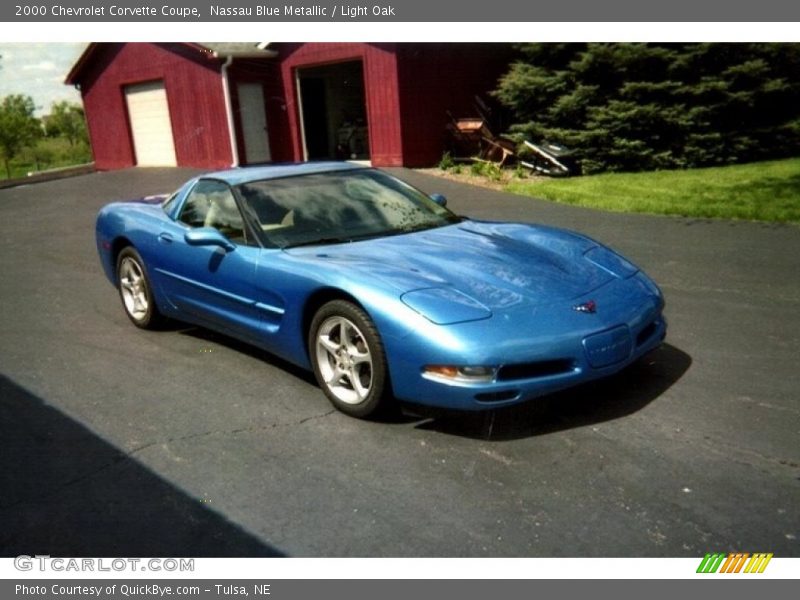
(339, 206)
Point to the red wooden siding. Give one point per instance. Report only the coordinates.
(194, 92)
(435, 79)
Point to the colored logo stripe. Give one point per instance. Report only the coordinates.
(710, 563)
(734, 562)
(758, 563)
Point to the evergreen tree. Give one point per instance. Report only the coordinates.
(653, 106)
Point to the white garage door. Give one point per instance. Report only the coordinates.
(151, 127)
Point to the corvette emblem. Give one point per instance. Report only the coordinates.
(586, 307)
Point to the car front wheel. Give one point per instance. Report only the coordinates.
(135, 290)
(348, 359)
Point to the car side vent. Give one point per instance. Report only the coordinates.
(544, 368)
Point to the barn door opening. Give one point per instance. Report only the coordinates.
(333, 112)
(254, 123)
(151, 126)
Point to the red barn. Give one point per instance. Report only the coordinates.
(212, 105)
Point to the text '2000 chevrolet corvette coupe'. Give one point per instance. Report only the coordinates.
(379, 289)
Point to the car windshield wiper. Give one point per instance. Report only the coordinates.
(318, 242)
(413, 228)
(368, 236)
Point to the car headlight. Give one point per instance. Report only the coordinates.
(611, 262)
(460, 373)
(445, 305)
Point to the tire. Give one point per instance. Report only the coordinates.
(348, 359)
(135, 290)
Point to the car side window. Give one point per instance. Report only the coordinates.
(211, 204)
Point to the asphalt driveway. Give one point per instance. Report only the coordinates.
(120, 442)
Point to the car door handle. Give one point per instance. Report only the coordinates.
(165, 238)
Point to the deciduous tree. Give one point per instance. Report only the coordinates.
(18, 127)
(66, 119)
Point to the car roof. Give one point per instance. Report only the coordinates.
(246, 174)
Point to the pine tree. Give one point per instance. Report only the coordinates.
(629, 106)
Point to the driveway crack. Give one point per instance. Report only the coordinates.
(211, 432)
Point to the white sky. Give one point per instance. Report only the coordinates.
(38, 70)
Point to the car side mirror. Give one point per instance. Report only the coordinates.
(439, 199)
(208, 236)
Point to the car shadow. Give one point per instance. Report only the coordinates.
(213, 337)
(392, 417)
(604, 400)
(66, 492)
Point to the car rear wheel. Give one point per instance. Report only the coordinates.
(348, 359)
(135, 290)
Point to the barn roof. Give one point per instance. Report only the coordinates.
(215, 49)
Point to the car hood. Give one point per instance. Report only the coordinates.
(485, 266)
(154, 199)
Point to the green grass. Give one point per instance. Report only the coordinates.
(49, 153)
(765, 191)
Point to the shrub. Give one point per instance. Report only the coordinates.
(446, 162)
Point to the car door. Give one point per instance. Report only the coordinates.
(210, 283)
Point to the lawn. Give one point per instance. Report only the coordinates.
(49, 153)
(765, 191)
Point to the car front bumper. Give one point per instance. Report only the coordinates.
(536, 350)
(525, 381)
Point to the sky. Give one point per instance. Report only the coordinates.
(38, 70)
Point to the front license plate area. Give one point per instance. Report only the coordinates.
(609, 347)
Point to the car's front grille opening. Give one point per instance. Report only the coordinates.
(646, 333)
(543, 368)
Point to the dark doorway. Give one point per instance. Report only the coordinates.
(315, 121)
(334, 112)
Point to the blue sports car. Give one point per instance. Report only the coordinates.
(378, 288)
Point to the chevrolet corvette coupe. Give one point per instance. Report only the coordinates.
(379, 289)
